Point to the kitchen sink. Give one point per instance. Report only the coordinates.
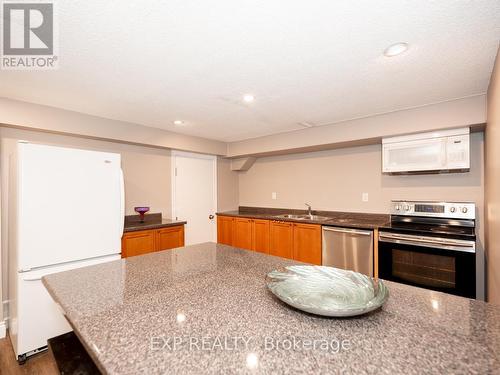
(316, 217)
(295, 217)
(303, 217)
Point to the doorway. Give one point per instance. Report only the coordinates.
(194, 195)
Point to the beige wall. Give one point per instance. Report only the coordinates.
(492, 191)
(146, 170)
(451, 114)
(335, 180)
(227, 186)
(35, 116)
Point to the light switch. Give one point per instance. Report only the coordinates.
(364, 197)
(273, 195)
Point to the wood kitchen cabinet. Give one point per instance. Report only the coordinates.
(225, 230)
(260, 236)
(245, 233)
(138, 243)
(297, 241)
(148, 241)
(281, 239)
(169, 238)
(242, 233)
(307, 243)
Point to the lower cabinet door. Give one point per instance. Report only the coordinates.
(170, 238)
(307, 243)
(281, 243)
(225, 230)
(260, 236)
(137, 243)
(242, 233)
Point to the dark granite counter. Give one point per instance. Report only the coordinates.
(340, 219)
(206, 309)
(151, 221)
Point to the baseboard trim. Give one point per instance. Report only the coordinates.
(3, 329)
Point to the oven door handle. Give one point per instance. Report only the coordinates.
(434, 242)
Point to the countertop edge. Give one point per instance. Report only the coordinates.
(329, 223)
(88, 349)
(145, 226)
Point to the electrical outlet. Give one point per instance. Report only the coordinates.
(364, 197)
(274, 195)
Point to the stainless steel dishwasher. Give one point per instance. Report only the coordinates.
(350, 249)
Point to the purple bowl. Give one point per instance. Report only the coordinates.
(141, 211)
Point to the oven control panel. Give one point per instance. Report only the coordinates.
(452, 210)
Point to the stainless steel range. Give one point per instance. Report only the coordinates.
(430, 245)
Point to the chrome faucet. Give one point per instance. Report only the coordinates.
(309, 212)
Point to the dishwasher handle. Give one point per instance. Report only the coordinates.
(349, 231)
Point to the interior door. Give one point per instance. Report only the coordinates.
(195, 195)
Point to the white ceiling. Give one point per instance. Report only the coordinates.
(152, 62)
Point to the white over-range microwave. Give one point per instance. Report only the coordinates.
(434, 152)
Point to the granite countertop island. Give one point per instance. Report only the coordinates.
(206, 309)
(336, 218)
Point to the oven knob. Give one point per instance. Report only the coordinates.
(397, 207)
(407, 208)
(464, 210)
(453, 209)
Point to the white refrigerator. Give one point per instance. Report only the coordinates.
(66, 210)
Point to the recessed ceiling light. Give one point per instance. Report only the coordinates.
(178, 122)
(396, 49)
(248, 98)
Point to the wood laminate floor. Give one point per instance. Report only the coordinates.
(41, 364)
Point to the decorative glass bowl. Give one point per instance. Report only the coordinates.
(327, 291)
(141, 211)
